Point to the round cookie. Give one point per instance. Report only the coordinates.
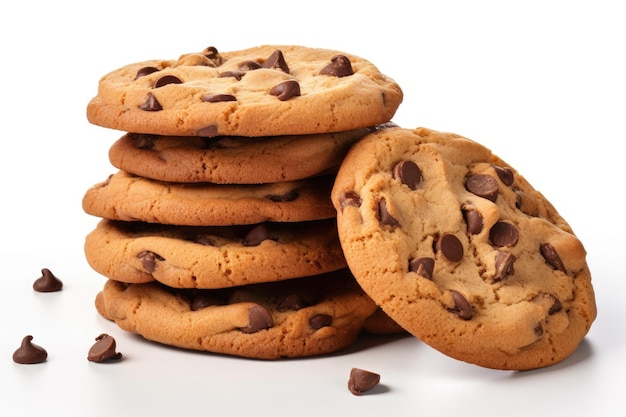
(124, 196)
(213, 256)
(294, 318)
(461, 251)
(261, 91)
(232, 159)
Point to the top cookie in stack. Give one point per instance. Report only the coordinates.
(224, 175)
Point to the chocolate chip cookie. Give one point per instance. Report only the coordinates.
(295, 318)
(127, 197)
(261, 91)
(232, 159)
(213, 256)
(460, 250)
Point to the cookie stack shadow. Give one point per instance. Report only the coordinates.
(228, 243)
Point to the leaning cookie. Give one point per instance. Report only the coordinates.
(213, 257)
(232, 159)
(262, 91)
(127, 197)
(461, 251)
(294, 318)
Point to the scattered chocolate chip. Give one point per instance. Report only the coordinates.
(235, 74)
(276, 61)
(349, 198)
(256, 235)
(504, 265)
(167, 79)
(423, 266)
(503, 234)
(483, 186)
(151, 104)
(288, 196)
(143, 141)
(211, 52)
(462, 307)
(408, 173)
(148, 260)
(505, 174)
(361, 380)
(450, 246)
(209, 131)
(384, 217)
(286, 90)
(473, 220)
(260, 319)
(339, 66)
(292, 302)
(47, 282)
(218, 98)
(320, 320)
(103, 350)
(552, 257)
(249, 66)
(29, 353)
(142, 72)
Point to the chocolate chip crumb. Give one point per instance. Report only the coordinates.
(361, 380)
(47, 282)
(483, 186)
(103, 350)
(286, 90)
(260, 319)
(340, 66)
(29, 353)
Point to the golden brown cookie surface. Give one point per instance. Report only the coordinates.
(461, 251)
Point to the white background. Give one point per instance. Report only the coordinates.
(541, 83)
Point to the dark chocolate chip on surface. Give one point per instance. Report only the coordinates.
(256, 235)
(504, 265)
(552, 257)
(276, 61)
(103, 350)
(259, 319)
(167, 79)
(218, 98)
(143, 141)
(286, 90)
(288, 196)
(29, 353)
(473, 220)
(142, 72)
(361, 380)
(503, 234)
(423, 266)
(235, 74)
(340, 66)
(148, 260)
(47, 282)
(320, 320)
(462, 307)
(483, 186)
(505, 174)
(408, 173)
(349, 198)
(450, 246)
(151, 104)
(292, 302)
(385, 218)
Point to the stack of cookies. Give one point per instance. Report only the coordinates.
(218, 232)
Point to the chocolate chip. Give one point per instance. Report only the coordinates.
(167, 79)
(462, 307)
(320, 320)
(292, 302)
(217, 98)
(552, 257)
(259, 319)
(143, 141)
(207, 131)
(286, 90)
(211, 52)
(384, 217)
(525, 203)
(103, 350)
(276, 61)
(504, 265)
(503, 234)
(235, 74)
(151, 104)
(423, 266)
(505, 174)
(349, 198)
(256, 235)
(249, 66)
(339, 66)
(549, 300)
(408, 173)
(450, 246)
(47, 282)
(288, 196)
(148, 260)
(205, 239)
(203, 299)
(473, 220)
(483, 186)
(142, 72)
(538, 330)
(361, 380)
(29, 353)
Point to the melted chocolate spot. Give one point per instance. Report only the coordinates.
(483, 186)
(340, 66)
(503, 234)
(47, 282)
(259, 319)
(103, 350)
(29, 353)
(286, 90)
(408, 173)
(423, 266)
